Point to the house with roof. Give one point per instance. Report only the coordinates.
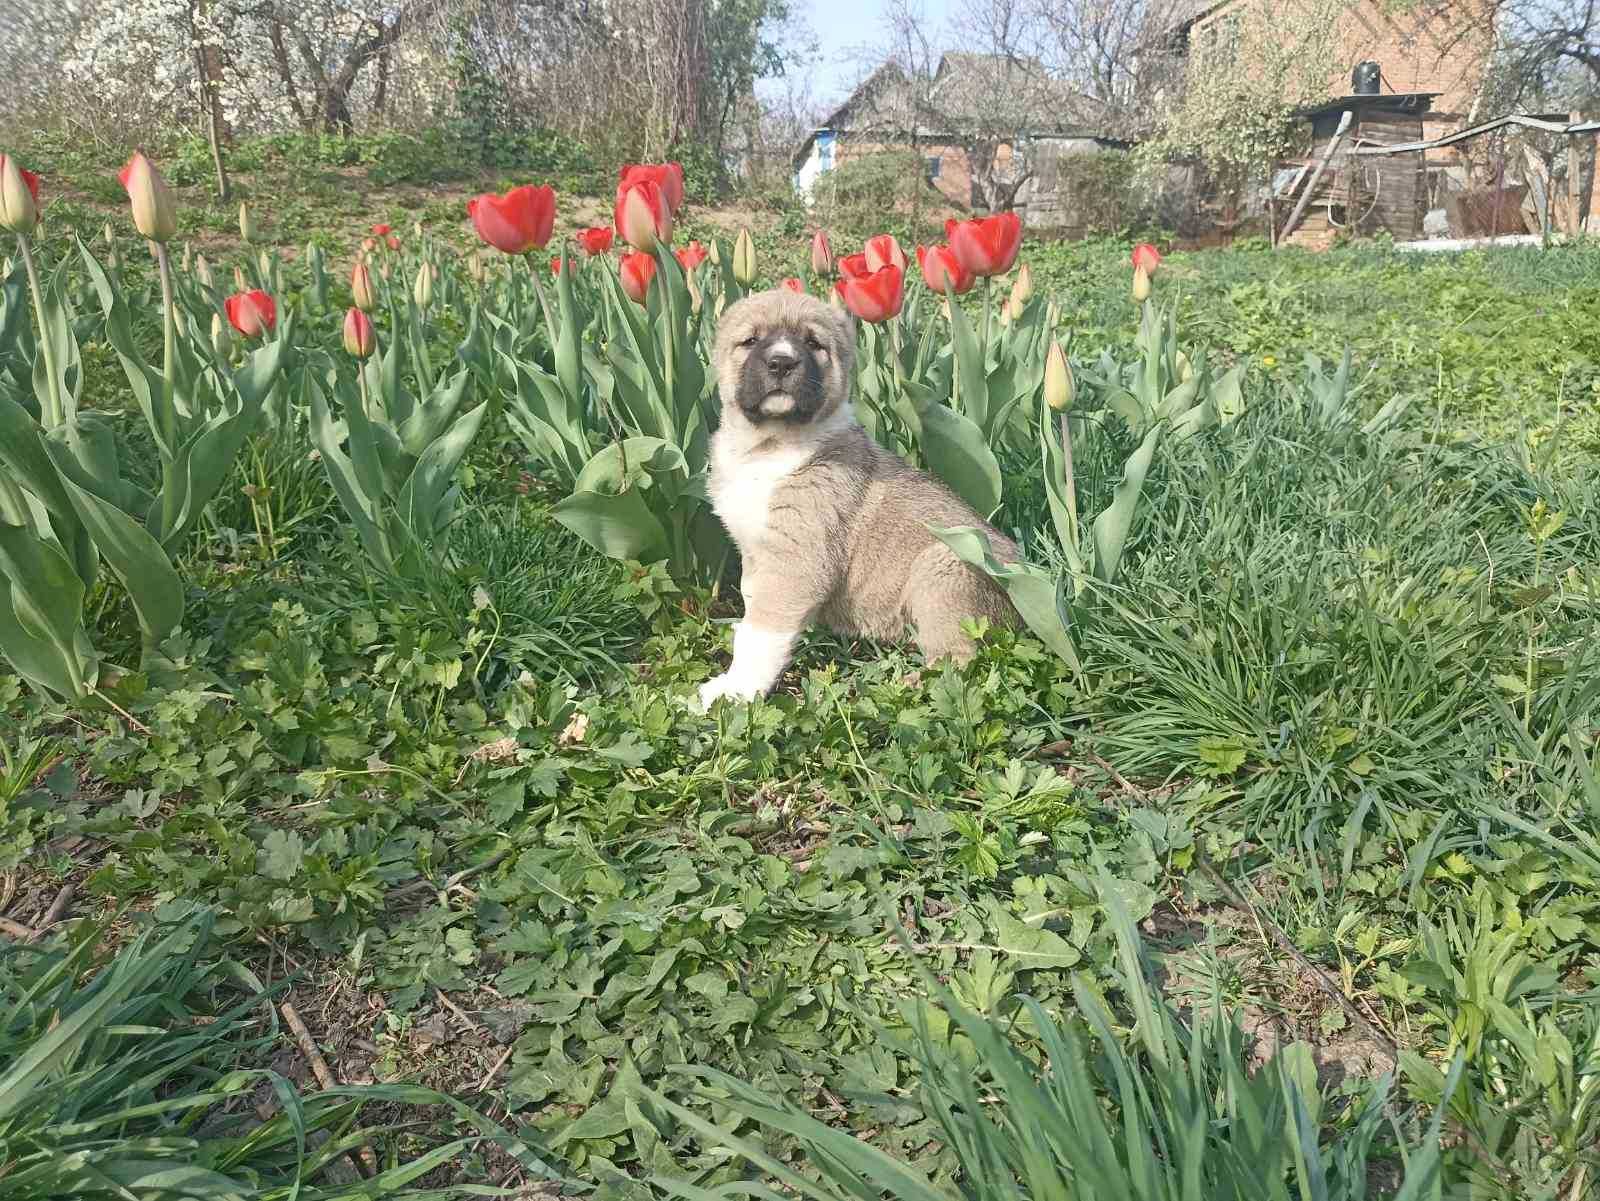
(990, 132)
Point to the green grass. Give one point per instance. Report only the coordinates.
(1350, 668)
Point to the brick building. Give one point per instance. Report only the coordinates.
(986, 130)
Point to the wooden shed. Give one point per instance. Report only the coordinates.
(1359, 194)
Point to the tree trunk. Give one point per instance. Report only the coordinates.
(208, 68)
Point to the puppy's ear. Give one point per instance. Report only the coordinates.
(846, 321)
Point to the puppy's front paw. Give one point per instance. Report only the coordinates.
(724, 686)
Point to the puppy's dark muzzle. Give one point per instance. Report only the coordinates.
(781, 381)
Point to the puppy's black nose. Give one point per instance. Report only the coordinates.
(781, 363)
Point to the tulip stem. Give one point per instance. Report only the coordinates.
(55, 412)
(1071, 479)
(168, 416)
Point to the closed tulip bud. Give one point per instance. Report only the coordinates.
(264, 263)
(744, 258)
(392, 242)
(221, 337)
(19, 197)
(1185, 368)
(247, 223)
(821, 255)
(361, 289)
(109, 234)
(714, 252)
(188, 259)
(1059, 386)
(1021, 290)
(695, 297)
(475, 267)
(238, 279)
(155, 214)
(422, 289)
(359, 337)
(416, 230)
(202, 271)
(1141, 285)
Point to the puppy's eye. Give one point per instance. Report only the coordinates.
(813, 342)
(749, 342)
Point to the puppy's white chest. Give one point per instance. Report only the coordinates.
(742, 487)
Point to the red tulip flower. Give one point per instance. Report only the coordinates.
(854, 266)
(987, 245)
(637, 270)
(666, 176)
(1146, 257)
(379, 231)
(950, 224)
(691, 256)
(594, 240)
(392, 242)
(643, 215)
(251, 313)
(942, 271)
(794, 284)
(519, 221)
(884, 251)
(360, 339)
(875, 297)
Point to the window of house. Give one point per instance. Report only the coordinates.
(933, 165)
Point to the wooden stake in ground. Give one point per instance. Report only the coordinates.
(366, 1162)
(1574, 184)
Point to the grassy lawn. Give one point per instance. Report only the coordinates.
(1317, 804)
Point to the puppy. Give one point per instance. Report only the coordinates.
(830, 527)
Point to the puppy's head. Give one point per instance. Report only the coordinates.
(784, 358)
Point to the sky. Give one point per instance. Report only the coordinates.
(847, 32)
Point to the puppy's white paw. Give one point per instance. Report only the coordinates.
(725, 685)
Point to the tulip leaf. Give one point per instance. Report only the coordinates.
(23, 455)
(960, 456)
(1036, 596)
(618, 525)
(429, 419)
(1227, 395)
(972, 391)
(1112, 527)
(425, 501)
(359, 506)
(41, 615)
(145, 380)
(135, 558)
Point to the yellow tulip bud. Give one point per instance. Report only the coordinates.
(744, 258)
(155, 214)
(361, 289)
(422, 289)
(247, 223)
(1021, 290)
(714, 251)
(221, 337)
(1141, 285)
(1059, 386)
(19, 212)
